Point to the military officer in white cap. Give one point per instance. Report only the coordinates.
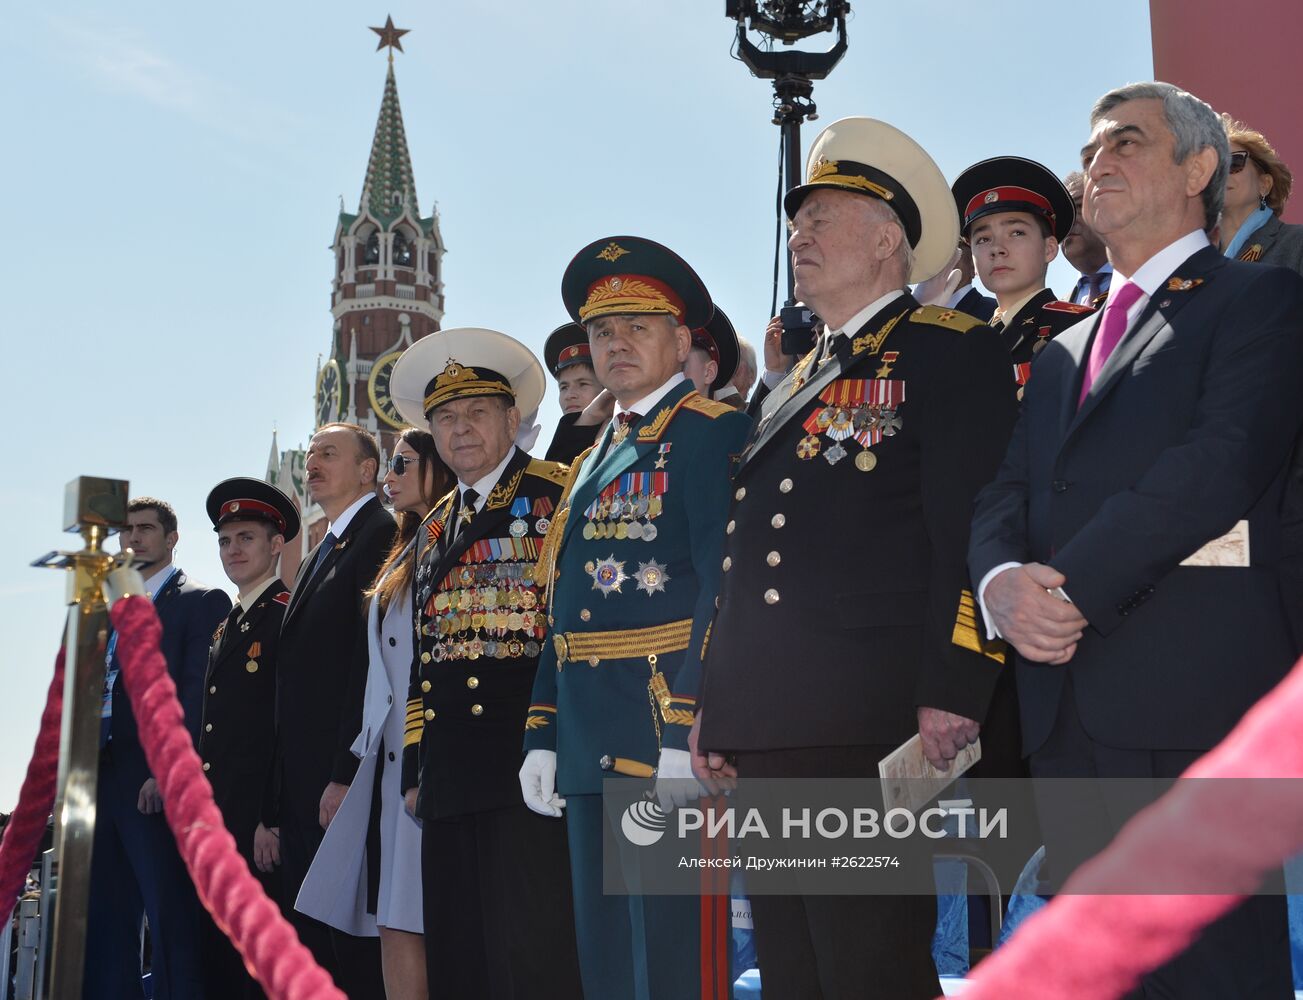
(498, 916)
(845, 621)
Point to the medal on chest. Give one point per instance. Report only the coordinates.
(854, 411)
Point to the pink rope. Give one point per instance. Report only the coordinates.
(1215, 839)
(271, 950)
(35, 800)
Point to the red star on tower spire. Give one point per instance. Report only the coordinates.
(390, 36)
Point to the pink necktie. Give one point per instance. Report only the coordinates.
(1111, 328)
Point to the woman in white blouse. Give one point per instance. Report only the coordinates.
(366, 877)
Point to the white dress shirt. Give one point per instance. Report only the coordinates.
(247, 601)
(340, 525)
(1149, 278)
(648, 403)
(484, 485)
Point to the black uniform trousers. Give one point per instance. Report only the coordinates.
(490, 881)
(1244, 955)
(839, 947)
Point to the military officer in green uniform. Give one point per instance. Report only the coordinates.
(237, 739)
(1015, 213)
(496, 879)
(846, 622)
(633, 564)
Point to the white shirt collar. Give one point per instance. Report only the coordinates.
(248, 600)
(155, 582)
(483, 485)
(340, 524)
(648, 403)
(867, 313)
(1153, 273)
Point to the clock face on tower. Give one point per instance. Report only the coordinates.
(382, 402)
(329, 386)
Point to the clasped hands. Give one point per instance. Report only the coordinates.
(1043, 627)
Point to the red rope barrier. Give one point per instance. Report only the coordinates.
(1209, 836)
(271, 950)
(27, 824)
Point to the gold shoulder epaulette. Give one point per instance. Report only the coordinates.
(711, 408)
(951, 319)
(1058, 305)
(553, 472)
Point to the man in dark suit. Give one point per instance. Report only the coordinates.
(253, 521)
(496, 892)
(845, 625)
(136, 867)
(1085, 250)
(321, 680)
(1128, 547)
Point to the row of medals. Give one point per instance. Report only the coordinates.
(625, 517)
(839, 423)
(488, 606)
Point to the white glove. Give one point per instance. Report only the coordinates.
(675, 784)
(538, 783)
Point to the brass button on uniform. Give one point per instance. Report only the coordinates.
(728, 529)
(472, 682)
(778, 520)
(213, 689)
(425, 657)
(208, 728)
(477, 710)
(728, 563)
(741, 492)
(425, 685)
(207, 765)
(785, 486)
(429, 714)
(771, 596)
(585, 614)
(774, 558)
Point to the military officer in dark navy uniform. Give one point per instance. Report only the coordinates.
(567, 357)
(253, 521)
(632, 562)
(498, 918)
(1015, 213)
(846, 623)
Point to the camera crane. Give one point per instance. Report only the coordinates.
(793, 73)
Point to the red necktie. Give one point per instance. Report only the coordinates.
(1111, 328)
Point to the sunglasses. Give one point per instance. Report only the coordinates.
(1238, 159)
(400, 464)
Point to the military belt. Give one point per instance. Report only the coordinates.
(622, 645)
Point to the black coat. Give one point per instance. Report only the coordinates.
(976, 304)
(1186, 432)
(188, 612)
(322, 661)
(844, 591)
(237, 741)
(570, 439)
(466, 705)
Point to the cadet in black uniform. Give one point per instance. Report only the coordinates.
(712, 360)
(568, 358)
(253, 521)
(498, 917)
(1015, 213)
(845, 621)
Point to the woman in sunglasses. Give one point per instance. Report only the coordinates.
(1256, 192)
(367, 874)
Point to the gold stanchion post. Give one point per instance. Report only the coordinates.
(93, 508)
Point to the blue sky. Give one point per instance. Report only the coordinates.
(173, 173)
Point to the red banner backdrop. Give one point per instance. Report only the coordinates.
(1242, 59)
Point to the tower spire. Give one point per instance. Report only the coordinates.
(389, 189)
